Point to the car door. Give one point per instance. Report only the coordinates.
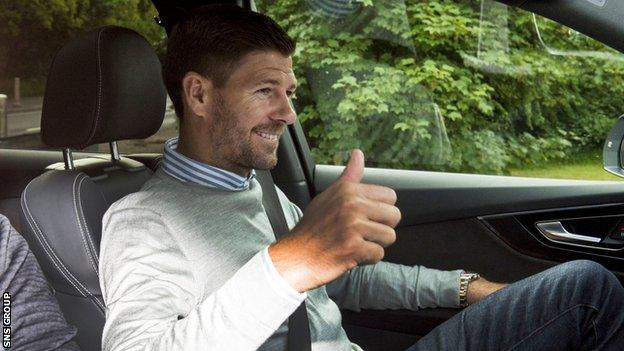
(485, 198)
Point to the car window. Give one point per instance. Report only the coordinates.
(32, 32)
(457, 86)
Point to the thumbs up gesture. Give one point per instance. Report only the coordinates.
(348, 224)
(354, 170)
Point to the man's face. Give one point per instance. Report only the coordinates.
(252, 111)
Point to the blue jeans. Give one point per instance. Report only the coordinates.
(578, 305)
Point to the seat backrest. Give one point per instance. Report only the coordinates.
(102, 87)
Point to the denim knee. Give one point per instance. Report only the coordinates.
(587, 274)
(582, 267)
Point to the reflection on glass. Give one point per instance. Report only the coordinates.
(447, 85)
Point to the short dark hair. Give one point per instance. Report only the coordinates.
(210, 40)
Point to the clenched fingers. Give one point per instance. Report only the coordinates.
(370, 253)
(379, 193)
(378, 233)
(382, 212)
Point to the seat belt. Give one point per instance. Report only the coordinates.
(298, 325)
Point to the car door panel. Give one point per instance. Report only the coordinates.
(483, 224)
(520, 231)
(425, 197)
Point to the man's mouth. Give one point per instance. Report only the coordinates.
(268, 136)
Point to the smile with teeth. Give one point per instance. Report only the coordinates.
(268, 136)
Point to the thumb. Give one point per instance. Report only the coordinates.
(355, 168)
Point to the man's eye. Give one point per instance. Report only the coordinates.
(292, 95)
(264, 91)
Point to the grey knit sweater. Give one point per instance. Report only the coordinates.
(35, 319)
(184, 267)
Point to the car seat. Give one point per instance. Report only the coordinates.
(102, 87)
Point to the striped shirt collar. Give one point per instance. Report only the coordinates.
(191, 171)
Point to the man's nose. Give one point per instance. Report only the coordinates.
(286, 112)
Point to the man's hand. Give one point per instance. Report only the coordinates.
(348, 224)
(480, 288)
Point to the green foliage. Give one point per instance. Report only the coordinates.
(433, 85)
(33, 30)
(408, 83)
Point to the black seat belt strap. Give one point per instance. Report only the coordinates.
(298, 324)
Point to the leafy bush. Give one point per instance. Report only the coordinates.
(405, 83)
(33, 30)
(414, 84)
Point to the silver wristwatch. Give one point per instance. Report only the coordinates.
(464, 280)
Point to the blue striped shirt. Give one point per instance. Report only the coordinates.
(192, 171)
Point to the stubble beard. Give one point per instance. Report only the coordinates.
(234, 143)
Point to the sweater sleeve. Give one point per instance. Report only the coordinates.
(403, 287)
(36, 320)
(153, 302)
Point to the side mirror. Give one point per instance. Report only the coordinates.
(613, 150)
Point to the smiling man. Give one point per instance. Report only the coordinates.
(190, 262)
(242, 132)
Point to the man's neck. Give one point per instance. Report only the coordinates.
(199, 153)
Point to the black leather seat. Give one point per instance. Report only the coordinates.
(102, 87)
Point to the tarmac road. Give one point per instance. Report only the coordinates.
(23, 122)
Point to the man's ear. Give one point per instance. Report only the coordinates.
(197, 95)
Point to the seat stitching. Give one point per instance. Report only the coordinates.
(81, 220)
(95, 252)
(66, 273)
(95, 299)
(90, 238)
(43, 242)
(99, 91)
(99, 104)
(595, 332)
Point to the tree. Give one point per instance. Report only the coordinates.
(33, 30)
(438, 85)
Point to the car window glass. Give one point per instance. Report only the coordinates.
(458, 86)
(31, 33)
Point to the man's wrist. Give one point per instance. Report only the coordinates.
(278, 280)
(465, 279)
(290, 266)
(480, 288)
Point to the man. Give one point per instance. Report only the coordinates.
(32, 319)
(190, 262)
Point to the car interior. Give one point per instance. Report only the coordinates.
(506, 228)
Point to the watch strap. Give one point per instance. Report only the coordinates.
(464, 281)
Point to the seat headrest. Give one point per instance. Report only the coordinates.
(103, 86)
